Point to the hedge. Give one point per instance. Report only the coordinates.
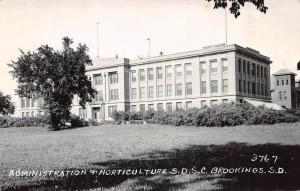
(231, 114)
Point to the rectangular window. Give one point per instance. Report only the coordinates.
(142, 108)
(97, 78)
(114, 94)
(178, 71)
(203, 87)
(160, 106)
(98, 96)
(150, 74)
(225, 85)
(178, 89)
(188, 70)
(142, 92)
(151, 107)
(253, 88)
(280, 95)
(282, 82)
(265, 73)
(287, 82)
(224, 65)
(258, 89)
(257, 70)
(151, 92)
(249, 87)
(213, 66)
(133, 76)
(277, 82)
(27, 114)
(253, 69)
(142, 75)
(240, 86)
(27, 102)
(23, 114)
(32, 114)
(169, 90)
(202, 68)
(111, 109)
(244, 67)
(169, 107)
(248, 68)
(113, 78)
(262, 89)
(169, 72)
(203, 103)
(22, 102)
(239, 65)
(188, 88)
(82, 113)
(188, 105)
(133, 93)
(214, 86)
(133, 108)
(261, 72)
(285, 95)
(159, 73)
(224, 101)
(178, 105)
(213, 102)
(160, 91)
(244, 86)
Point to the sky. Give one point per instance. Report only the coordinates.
(124, 26)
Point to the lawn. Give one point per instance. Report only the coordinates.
(150, 147)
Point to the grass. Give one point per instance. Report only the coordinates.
(148, 146)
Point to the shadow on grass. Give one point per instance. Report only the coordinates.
(232, 155)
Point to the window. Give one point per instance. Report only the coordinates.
(240, 86)
(32, 114)
(160, 91)
(178, 105)
(203, 103)
(277, 82)
(178, 71)
(159, 73)
(27, 114)
(188, 105)
(133, 93)
(113, 78)
(142, 108)
(178, 89)
(142, 75)
(114, 95)
(202, 68)
(213, 66)
(97, 78)
(224, 101)
(23, 114)
(287, 82)
(22, 102)
(33, 102)
(280, 95)
(27, 102)
(213, 102)
(225, 85)
(169, 72)
(98, 96)
(151, 107)
(282, 82)
(203, 87)
(261, 72)
(248, 68)
(249, 87)
(253, 88)
(160, 106)
(244, 86)
(111, 109)
(239, 65)
(133, 108)
(169, 90)
(257, 70)
(151, 91)
(258, 89)
(224, 65)
(285, 95)
(262, 89)
(188, 88)
(82, 113)
(142, 92)
(169, 107)
(244, 67)
(133, 76)
(265, 73)
(188, 70)
(253, 69)
(150, 74)
(214, 86)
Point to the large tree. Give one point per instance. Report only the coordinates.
(6, 106)
(235, 5)
(56, 76)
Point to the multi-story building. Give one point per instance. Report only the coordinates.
(31, 107)
(213, 75)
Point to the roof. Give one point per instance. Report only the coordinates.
(284, 71)
(266, 104)
(100, 63)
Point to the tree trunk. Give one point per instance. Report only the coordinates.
(55, 121)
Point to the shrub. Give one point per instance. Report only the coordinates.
(7, 121)
(76, 121)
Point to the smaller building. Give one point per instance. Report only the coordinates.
(284, 91)
(31, 107)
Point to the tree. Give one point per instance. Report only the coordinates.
(6, 106)
(56, 76)
(235, 5)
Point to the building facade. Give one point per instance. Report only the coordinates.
(210, 76)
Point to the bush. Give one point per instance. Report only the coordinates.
(7, 121)
(76, 121)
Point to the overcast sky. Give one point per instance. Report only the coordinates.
(125, 25)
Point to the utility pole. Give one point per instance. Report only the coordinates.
(148, 39)
(225, 26)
